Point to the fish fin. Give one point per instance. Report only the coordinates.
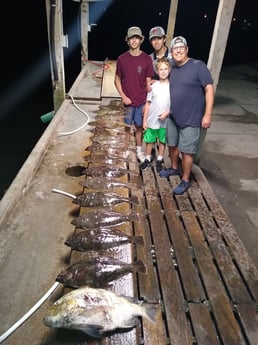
(131, 322)
(150, 310)
(140, 267)
(92, 330)
(134, 199)
(139, 240)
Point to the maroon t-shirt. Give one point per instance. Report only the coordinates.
(133, 71)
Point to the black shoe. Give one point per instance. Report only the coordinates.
(145, 164)
(159, 165)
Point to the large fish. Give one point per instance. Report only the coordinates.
(96, 199)
(111, 153)
(97, 271)
(107, 147)
(106, 171)
(97, 311)
(103, 219)
(117, 141)
(108, 123)
(100, 183)
(106, 160)
(102, 238)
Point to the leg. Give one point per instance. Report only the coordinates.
(187, 164)
(173, 155)
(138, 135)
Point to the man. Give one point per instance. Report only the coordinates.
(192, 98)
(157, 38)
(134, 71)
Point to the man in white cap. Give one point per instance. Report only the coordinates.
(191, 101)
(134, 71)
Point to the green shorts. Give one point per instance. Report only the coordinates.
(152, 135)
(186, 139)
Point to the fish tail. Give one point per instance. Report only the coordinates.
(139, 240)
(150, 311)
(134, 200)
(140, 267)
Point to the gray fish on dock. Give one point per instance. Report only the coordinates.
(97, 311)
(99, 183)
(102, 238)
(97, 272)
(105, 147)
(99, 199)
(117, 141)
(107, 171)
(105, 199)
(108, 123)
(103, 219)
(104, 159)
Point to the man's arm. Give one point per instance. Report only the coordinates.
(209, 99)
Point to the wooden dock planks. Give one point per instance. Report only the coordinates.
(199, 274)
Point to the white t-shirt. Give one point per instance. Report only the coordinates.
(159, 97)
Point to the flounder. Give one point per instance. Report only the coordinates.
(102, 219)
(102, 238)
(97, 272)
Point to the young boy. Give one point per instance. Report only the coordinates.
(156, 111)
(134, 71)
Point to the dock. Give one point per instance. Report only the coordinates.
(198, 272)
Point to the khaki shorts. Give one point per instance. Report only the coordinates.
(186, 139)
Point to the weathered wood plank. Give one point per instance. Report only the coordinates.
(227, 324)
(174, 304)
(204, 328)
(181, 246)
(229, 234)
(220, 251)
(148, 284)
(108, 86)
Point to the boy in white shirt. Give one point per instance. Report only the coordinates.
(156, 111)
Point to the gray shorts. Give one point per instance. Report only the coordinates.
(186, 139)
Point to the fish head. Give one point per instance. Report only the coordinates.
(59, 315)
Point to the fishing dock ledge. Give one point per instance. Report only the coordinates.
(197, 268)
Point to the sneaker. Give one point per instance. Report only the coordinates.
(140, 156)
(145, 164)
(182, 187)
(168, 172)
(159, 166)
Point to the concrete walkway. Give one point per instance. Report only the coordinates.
(229, 158)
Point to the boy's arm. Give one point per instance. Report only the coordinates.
(145, 114)
(126, 100)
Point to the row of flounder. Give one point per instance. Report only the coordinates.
(89, 307)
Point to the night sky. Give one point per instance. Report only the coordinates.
(26, 88)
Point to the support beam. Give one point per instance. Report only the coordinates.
(217, 52)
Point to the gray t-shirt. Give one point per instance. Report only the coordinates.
(187, 94)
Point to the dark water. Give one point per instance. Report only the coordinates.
(26, 87)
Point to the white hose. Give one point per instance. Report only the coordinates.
(84, 112)
(28, 314)
(63, 193)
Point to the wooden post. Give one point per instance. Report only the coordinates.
(84, 31)
(56, 38)
(171, 21)
(217, 51)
